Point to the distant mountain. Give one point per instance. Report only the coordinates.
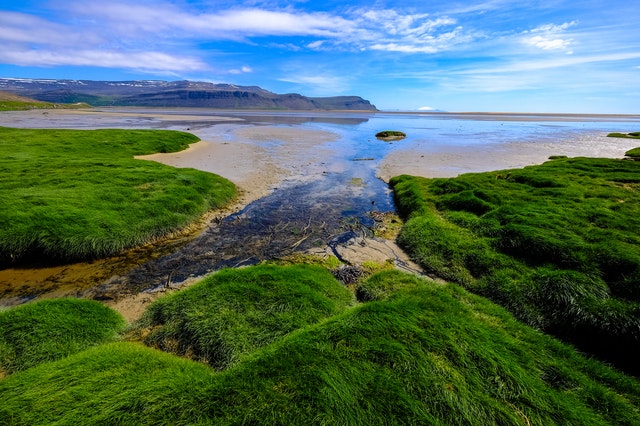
(157, 93)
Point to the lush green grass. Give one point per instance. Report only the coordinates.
(557, 244)
(52, 329)
(112, 384)
(415, 353)
(80, 193)
(236, 311)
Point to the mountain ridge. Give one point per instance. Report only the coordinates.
(184, 93)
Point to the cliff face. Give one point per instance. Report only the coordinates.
(174, 94)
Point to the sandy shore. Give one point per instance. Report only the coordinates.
(256, 158)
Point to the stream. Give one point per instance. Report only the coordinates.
(326, 207)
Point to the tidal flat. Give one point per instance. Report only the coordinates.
(295, 172)
(283, 342)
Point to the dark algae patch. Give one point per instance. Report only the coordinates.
(80, 194)
(415, 352)
(556, 244)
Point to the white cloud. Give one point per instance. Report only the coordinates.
(548, 37)
(316, 44)
(389, 30)
(242, 70)
(358, 29)
(564, 61)
(426, 108)
(142, 61)
(132, 34)
(231, 24)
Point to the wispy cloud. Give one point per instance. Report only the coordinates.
(129, 34)
(549, 37)
(23, 28)
(318, 84)
(156, 62)
(242, 70)
(561, 62)
(163, 19)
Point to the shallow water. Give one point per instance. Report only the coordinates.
(325, 202)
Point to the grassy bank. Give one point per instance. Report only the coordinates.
(75, 194)
(411, 352)
(557, 244)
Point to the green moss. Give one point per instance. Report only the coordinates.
(78, 194)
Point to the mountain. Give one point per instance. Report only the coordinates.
(158, 93)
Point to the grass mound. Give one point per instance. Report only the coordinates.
(420, 353)
(52, 329)
(78, 194)
(234, 312)
(112, 384)
(557, 244)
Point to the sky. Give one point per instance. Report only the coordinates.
(567, 56)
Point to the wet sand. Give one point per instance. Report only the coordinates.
(256, 158)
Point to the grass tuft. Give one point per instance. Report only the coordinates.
(52, 329)
(234, 312)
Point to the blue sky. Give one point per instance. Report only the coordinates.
(485, 55)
